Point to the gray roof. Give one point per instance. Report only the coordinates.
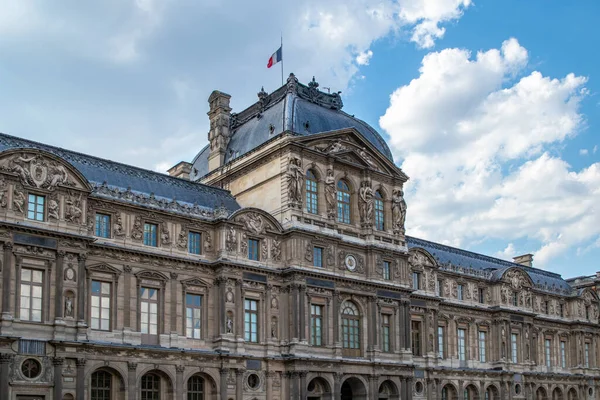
(296, 108)
(132, 181)
(467, 262)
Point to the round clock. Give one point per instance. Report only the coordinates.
(350, 262)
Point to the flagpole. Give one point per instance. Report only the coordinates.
(281, 59)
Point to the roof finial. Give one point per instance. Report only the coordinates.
(313, 84)
(292, 83)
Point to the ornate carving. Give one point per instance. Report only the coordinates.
(253, 222)
(38, 171)
(308, 253)
(137, 230)
(53, 209)
(295, 177)
(69, 307)
(276, 250)
(207, 241)
(398, 211)
(367, 159)
(264, 250)
(165, 235)
(3, 190)
(273, 327)
(229, 322)
(360, 262)
(18, 201)
(515, 278)
(118, 230)
(333, 147)
(244, 244)
(182, 240)
(418, 259)
(330, 194)
(73, 208)
(366, 203)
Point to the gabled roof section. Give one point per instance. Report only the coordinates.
(133, 184)
(470, 263)
(294, 107)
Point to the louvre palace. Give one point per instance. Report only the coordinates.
(274, 265)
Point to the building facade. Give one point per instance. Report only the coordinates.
(274, 265)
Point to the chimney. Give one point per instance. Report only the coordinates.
(525, 260)
(219, 116)
(181, 170)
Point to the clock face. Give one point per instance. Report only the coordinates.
(350, 262)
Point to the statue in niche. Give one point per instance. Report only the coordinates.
(118, 230)
(165, 235)
(229, 323)
(18, 201)
(182, 240)
(69, 306)
(366, 203)
(330, 194)
(137, 232)
(398, 211)
(295, 180)
(274, 327)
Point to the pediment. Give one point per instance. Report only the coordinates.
(420, 258)
(104, 268)
(255, 221)
(41, 170)
(517, 278)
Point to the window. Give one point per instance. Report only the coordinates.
(150, 388)
(385, 332)
(318, 257)
(101, 385)
(416, 280)
(481, 295)
(546, 307)
(343, 199)
(193, 316)
(311, 193)
(460, 293)
(35, 207)
(253, 249)
(416, 337)
(194, 242)
(562, 310)
(441, 341)
(251, 320)
(547, 352)
(149, 311)
(462, 348)
(103, 225)
(379, 214)
(439, 284)
(387, 271)
(482, 344)
(31, 295)
(100, 305)
(513, 347)
(195, 388)
(515, 299)
(586, 355)
(316, 325)
(563, 354)
(350, 326)
(150, 234)
(587, 312)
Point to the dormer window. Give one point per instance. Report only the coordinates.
(343, 200)
(35, 207)
(379, 213)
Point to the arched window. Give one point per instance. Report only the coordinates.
(311, 193)
(195, 388)
(351, 328)
(101, 385)
(150, 387)
(343, 199)
(379, 214)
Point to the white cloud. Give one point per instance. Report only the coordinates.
(583, 152)
(472, 134)
(508, 253)
(364, 57)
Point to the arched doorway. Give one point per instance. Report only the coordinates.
(155, 385)
(572, 394)
(492, 393)
(388, 390)
(353, 389)
(449, 393)
(557, 394)
(106, 384)
(541, 394)
(201, 387)
(471, 393)
(319, 389)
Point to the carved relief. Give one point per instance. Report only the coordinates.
(516, 279)
(38, 171)
(118, 230)
(276, 250)
(244, 244)
(398, 211)
(264, 250)
(418, 259)
(295, 177)
(53, 208)
(137, 230)
(18, 201)
(207, 242)
(230, 241)
(73, 208)
(165, 235)
(330, 194)
(366, 203)
(253, 222)
(69, 313)
(3, 193)
(182, 240)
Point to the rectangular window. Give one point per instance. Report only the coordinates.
(416, 280)
(343, 206)
(311, 196)
(31, 295)
(439, 284)
(462, 346)
(514, 347)
(586, 355)
(562, 310)
(546, 307)
(318, 257)
(35, 207)
(316, 325)
(193, 316)
(481, 296)
(379, 214)
(548, 352)
(416, 337)
(194, 242)
(103, 225)
(149, 311)
(151, 234)
(251, 320)
(100, 305)
(441, 341)
(253, 246)
(387, 275)
(385, 332)
(515, 299)
(482, 345)
(460, 293)
(563, 354)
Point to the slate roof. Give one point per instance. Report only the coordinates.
(466, 262)
(111, 174)
(297, 108)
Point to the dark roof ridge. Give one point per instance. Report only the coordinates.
(484, 257)
(144, 170)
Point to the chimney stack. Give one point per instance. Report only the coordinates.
(525, 260)
(181, 170)
(219, 116)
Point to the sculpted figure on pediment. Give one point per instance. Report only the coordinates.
(333, 147)
(367, 158)
(516, 279)
(253, 222)
(39, 171)
(418, 259)
(330, 194)
(295, 180)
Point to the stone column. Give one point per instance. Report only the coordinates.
(403, 391)
(402, 326)
(223, 375)
(409, 388)
(81, 290)
(131, 380)
(80, 385)
(58, 379)
(5, 361)
(407, 325)
(438, 389)
(127, 297)
(6, 277)
(337, 385)
(302, 312)
(303, 385)
(373, 328)
(239, 384)
(269, 375)
(373, 386)
(179, 381)
(58, 295)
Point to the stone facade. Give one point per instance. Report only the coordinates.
(296, 282)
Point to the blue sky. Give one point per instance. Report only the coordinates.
(491, 107)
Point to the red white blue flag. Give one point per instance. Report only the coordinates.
(275, 58)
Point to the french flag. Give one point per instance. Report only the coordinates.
(275, 58)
